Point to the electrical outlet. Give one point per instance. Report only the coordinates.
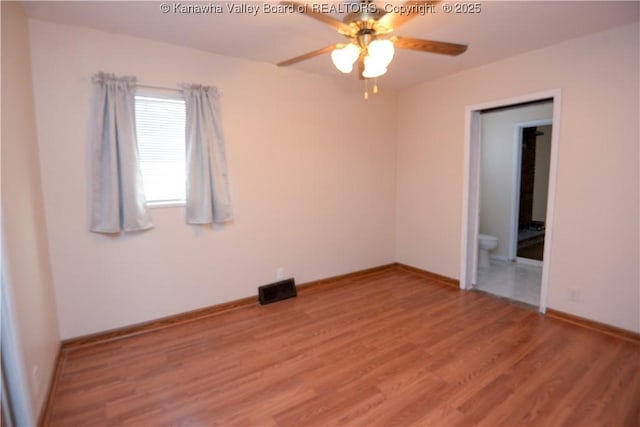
(279, 273)
(574, 294)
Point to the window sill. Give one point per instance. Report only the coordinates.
(166, 204)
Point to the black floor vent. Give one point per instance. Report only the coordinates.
(277, 291)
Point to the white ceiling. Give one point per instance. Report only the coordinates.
(500, 30)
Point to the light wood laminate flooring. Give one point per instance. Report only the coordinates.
(388, 348)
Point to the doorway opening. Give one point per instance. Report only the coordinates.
(506, 250)
(514, 175)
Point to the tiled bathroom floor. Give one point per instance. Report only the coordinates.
(517, 281)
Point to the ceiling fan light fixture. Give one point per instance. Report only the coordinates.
(373, 67)
(382, 51)
(344, 58)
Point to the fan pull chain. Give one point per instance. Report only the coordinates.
(366, 89)
(375, 85)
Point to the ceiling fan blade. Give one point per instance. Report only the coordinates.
(410, 9)
(308, 55)
(307, 9)
(429, 46)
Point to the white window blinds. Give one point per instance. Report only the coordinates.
(160, 131)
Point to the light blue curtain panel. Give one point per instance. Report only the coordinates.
(118, 200)
(207, 192)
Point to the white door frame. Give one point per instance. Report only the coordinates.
(471, 187)
(515, 190)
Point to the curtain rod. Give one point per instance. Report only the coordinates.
(100, 76)
(173, 89)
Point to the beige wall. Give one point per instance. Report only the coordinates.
(26, 265)
(312, 171)
(498, 171)
(595, 246)
(353, 189)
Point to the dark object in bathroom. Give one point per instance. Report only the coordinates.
(536, 225)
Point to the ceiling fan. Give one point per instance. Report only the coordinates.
(368, 28)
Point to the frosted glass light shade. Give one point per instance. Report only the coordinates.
(345, 57)
(382, 51)
(373, 68)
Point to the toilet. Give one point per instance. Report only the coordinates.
(486, 243)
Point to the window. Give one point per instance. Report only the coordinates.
(160, 130)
